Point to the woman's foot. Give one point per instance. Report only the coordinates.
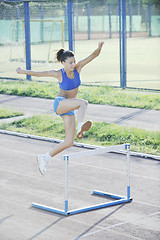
(84, 128)
(41, 163)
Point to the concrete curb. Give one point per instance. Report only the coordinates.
(82, 145)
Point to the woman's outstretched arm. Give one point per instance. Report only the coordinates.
(51, 73)
(88, 59)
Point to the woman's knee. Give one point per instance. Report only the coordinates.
(68, 144)
(85, 102)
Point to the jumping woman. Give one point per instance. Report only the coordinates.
(66, 102)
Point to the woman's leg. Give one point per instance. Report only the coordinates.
(70, 127)
(68, 105)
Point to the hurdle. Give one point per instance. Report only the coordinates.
(117, 198)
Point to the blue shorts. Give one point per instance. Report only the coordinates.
(56, 103)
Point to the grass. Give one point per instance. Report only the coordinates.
(100, 134)
(94, 94)
(8, 113)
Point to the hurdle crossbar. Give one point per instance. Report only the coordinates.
(117, 198)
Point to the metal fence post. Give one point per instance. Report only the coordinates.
(124, 54)
(70, 23)
(150, 15)
(27, 37)
(130, 18)
(120, 42)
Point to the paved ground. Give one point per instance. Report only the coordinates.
(21, 184)
(141, 118)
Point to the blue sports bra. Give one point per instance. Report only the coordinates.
(69, 84)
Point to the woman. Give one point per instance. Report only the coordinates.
(66, 102)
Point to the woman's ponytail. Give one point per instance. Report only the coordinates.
(62, 55)
(59, 54)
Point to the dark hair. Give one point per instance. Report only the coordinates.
(62, 55)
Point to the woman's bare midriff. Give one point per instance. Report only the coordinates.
(68, 94)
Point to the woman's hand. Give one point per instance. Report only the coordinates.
(19, 70)
(100, 45)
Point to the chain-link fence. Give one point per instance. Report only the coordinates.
(49, 32)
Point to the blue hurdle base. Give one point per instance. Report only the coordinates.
(119, 200)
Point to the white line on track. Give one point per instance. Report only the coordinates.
(118, 224)
(113, 170)
(18, 151)
(62, 183)
(90, 166)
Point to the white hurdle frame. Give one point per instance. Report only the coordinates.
(118, 199)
